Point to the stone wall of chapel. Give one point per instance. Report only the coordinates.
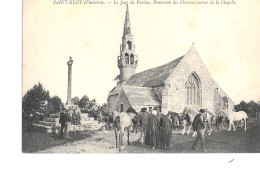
(175, 94)
(122, 99)
(111, 101)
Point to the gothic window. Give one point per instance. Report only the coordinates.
(126, 58)
(225, 103)
(193, 90)
(132, 59)
(129, 45)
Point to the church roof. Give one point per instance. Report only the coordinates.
(141, 96)
(153, 77)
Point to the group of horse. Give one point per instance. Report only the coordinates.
(125, 121)
(218, 118)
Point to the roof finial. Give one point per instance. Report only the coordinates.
(193, 43)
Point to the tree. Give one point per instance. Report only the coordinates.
(75, 100)
(49, 109)
(252, 108)
(35, 100)
(103, 109)
(241, 106)
(56, 102)
(83, 102)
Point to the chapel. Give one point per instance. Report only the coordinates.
(182, 82)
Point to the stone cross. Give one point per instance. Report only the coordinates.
(69, 63)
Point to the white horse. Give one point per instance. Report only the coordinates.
(208, 119)
(122, 121)
(234, 116)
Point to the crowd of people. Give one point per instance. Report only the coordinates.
(67, 118)
(156, 129)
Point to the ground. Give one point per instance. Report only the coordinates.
(222, 141)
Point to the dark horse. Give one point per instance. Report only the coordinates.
(188, 117)
(176, 119)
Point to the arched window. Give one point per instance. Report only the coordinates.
(193, 89)
(127, 58)
(129, 45)
(225, 103)
(132, 59)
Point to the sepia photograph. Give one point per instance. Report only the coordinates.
(140, 77)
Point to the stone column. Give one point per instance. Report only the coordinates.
(70, 62)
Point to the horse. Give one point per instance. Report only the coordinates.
(219, 121)
(176, 119)
(122, 121)
(188, 116)
(208, 121)
(135, 123)
(109, 121)
(234, 116)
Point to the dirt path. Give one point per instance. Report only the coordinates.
(104, 142)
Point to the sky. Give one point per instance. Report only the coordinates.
(227, 38)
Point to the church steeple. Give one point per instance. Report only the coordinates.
(127, 61)
(127, 26)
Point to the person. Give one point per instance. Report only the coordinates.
(74, 120)
(77, 117)
(199, 126)
(166, 132)
(62, 121)
(159, 119)
(150, 110)
(67, 120)
(152, 131)
(143, 123)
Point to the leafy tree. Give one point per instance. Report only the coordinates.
(103, 109)
(241, 106)
(49, 109)
(56, 103)
(35, 100)
(252, 108)
(83, 102)
(92, 105)
(75, 100)
(86, 104)
(117, 78)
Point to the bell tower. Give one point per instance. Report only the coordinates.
(127, 61)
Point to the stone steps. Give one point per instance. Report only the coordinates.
(49, 127)
(46, 123)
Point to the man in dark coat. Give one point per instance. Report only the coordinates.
(199, 126)
(152, 131)
(62, 121)
(144, 115)
(166, 132)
